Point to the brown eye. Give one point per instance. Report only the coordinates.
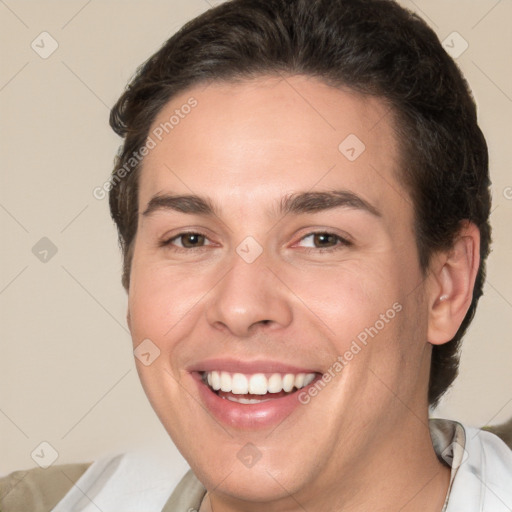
(191, 240)
(322, 239)
(185, 241)
(325, 239)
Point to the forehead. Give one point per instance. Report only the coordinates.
(260, 139)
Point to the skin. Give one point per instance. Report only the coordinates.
(363, 442)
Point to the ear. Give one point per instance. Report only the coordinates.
(128, 319)
(452, 274)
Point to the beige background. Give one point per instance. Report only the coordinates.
(66, 366)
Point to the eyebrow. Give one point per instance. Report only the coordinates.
(295, 203)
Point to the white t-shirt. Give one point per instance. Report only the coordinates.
(481, 477)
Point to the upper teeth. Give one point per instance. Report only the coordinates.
(258, 383)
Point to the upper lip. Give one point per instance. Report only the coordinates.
(248, 367)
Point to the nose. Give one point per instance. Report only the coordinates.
(249, 297)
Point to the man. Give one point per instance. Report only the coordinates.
(302, 199)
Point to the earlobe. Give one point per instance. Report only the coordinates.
(454, 279)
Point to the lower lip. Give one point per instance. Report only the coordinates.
(248, 416)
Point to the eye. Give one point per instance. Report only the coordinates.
(325, 240)
(313, 241)
(189, 240)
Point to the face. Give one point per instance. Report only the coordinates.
(290, 280)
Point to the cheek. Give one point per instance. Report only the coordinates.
(160, 298)
(341, 300)
(349, 300)
(158, 303)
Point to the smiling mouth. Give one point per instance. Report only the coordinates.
(255, 388)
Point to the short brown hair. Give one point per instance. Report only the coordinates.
(374, 47)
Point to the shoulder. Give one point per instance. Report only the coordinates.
(504, 431)
(484, 475)
(493, 453)
(38, 489)
(187, 495)
(140, 479)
